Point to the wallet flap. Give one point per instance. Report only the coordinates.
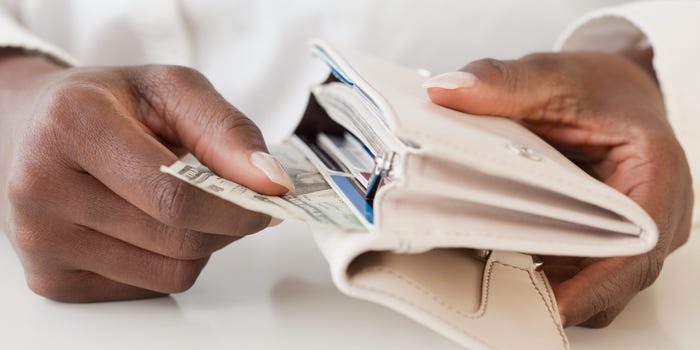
(500, 303)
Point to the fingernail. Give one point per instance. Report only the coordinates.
(273, 169)
(451, 81)
(274, 222)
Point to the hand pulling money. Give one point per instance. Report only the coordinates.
(314, 202)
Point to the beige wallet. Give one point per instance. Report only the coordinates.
(457, 207)
(447, 212)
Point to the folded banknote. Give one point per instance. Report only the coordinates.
(313, 202)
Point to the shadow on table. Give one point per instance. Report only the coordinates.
(304, 305)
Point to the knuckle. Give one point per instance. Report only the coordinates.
(70, 109)
(239, 124)
(168, 88)
(32, 242)
(191, 245)
(561, 102)
(599, 301)
(249, 223)
(66, 105)
(168, 77)
(234, 123)
(24, 186)
(491, 69)
(604, 293)
(683, 235)
(559, 106)
(174, 201)
(67, 287)
(178, 73)
(650, 270)
(32, 181)
(48, 287)
(544, 62)
(183, 276)
(600, 320)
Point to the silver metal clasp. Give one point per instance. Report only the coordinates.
(524, 151)
(382, 169)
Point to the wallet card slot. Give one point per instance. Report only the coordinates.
(341, 180)
(355, 196)
(342, 183)
(349, 154)
(357, 187)
(329, 163)
(444, 178)
(462, 223)
(344, 78)
(345, 106)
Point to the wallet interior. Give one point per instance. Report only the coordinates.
(456, 189)
(354, 186)
(426, 176)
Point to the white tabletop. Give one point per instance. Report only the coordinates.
(273, 291)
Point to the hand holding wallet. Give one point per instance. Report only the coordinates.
(453, 209)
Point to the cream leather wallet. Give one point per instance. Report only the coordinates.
(438, 215)
(457, 207)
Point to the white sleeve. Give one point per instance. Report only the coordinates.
(672, 29)
(12, 34)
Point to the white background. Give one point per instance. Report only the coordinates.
(273, 291)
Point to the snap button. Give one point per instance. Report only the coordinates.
(524, 151)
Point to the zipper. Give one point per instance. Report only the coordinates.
(382, 170)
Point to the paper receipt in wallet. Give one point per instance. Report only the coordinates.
(314, 201)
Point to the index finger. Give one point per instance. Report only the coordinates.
(184, 108)
(126, 159)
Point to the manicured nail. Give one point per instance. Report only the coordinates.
(274, 222)
(451, 81)
(273, 169)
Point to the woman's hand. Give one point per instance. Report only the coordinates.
(83, 201)
(606, 113)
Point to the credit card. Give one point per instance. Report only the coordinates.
(349, 153)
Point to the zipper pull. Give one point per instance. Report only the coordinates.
(382, 166)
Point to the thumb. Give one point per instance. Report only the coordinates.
(529, 89)
(186, 110)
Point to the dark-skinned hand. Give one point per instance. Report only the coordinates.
(83, 202)
(606, 113)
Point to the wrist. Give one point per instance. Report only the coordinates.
(22, 75)
(21, 70)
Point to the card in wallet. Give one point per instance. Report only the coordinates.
(445, 213)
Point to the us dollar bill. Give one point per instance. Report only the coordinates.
(313, 202)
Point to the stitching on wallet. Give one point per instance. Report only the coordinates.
(550, 292)
(426, 291)
(492, 233)
(482, 308)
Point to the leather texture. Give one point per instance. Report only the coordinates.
(460, 183)
(464, 296)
